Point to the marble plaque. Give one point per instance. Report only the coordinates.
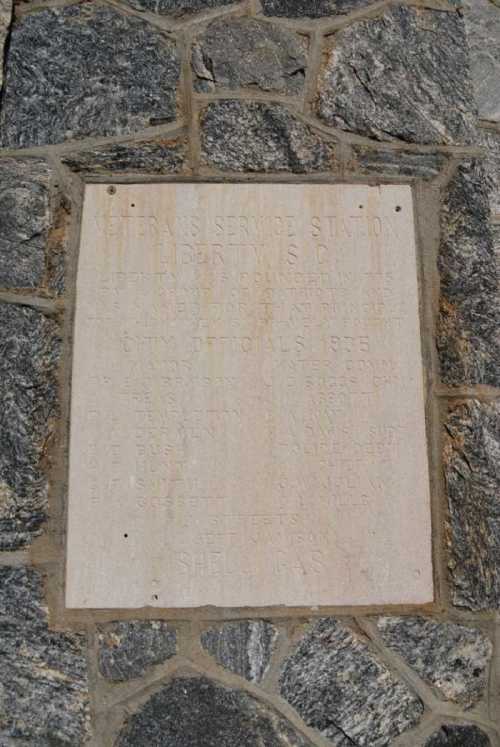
(247, 414)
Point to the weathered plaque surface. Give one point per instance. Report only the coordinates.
(247, 422)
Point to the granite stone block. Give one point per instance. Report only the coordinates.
(402, 76)
(192, 711)
(29, 351)
(397, 163)
(25, 218)
(179, 8)
(453, 658)
(43, 674)
(128, 649)
(85, 70)
(458, 735)
(472, 473)
(244, 648)
(311, 8)
(490, 140)
(468, 336)
(241, 136)
(482, 22)
(340, 687)
(244, 52)
(162, 155)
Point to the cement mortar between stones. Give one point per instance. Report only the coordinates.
(289, 149)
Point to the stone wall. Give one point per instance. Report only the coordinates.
(308, 90)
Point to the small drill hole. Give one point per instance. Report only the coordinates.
(155, 596)
(125, 535)
(132, 204)
(111, 190)
(361, 207)
(398, 208)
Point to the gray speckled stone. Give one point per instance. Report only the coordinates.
(311, 8)
(336, 682)
(243, 52)
(394, 163)
(472, 471)
(29, 349)
(468, 330)
(25, 220)
(453, 658)
(491, 141)
(85, 70)
(495, 229)
(5, 18)
(161, 155)
(43, 674)
(196, 712)
(240, 136)
(178, 7)
(244, 648)
(482, 22)
(458, 735)
(402, 76)
(127, 649)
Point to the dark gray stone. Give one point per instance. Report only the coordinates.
(458, 735)
(244, 648)
(5, 18)
(196, 712)
(482, 22)
(29, 350)
(339, 687)
(468, 331)
(453, 658)
(127, 649)
(85, 70)
(495, 229)
(162, 155)
(490, 140)
(311, 8)
(401, 76)
(25, 221)
(394, 163)
(43, 674)
(240, 136)
(472, 471)
(243, 52)
(178, 7)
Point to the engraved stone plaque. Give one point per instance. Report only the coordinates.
(247, 414)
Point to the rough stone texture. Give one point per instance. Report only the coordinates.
(244, 648)
(242, 52)
(85, 70)
(491, 141)
(496, 247)
(395, 163)
(127, 649)
(458, 735)
(25, 220)
(29, 349)
(403, 76)
(336, 683)
(468, 331)
(241, 136)
(482, 21)
(195, 712)
(472, 472)
(178, 7)
(43, 675)
(5, 17)
(157, 156)
(453, 658)
(311, 8)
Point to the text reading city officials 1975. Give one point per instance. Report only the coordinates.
(247, 416)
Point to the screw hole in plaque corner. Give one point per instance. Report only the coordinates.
(361, 207)
(155, 597)
(111, 190)
(125, 535)
(398, 208)
(132, 204)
